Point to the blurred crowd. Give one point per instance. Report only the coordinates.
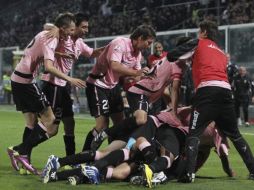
(114, 17)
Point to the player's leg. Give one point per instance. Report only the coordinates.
(228, 124)
(68, 122)
(98, 102)
(30, 99)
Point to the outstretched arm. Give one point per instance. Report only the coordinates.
(97, 51)
(51, 69)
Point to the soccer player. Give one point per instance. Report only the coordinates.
(148, 90)
(55, 89)
(153, 59)
(104, 158)
(213, 138)
(30, 99)
(213, 100)
(121, 57)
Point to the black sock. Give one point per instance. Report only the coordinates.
(103, 174)
(89, 139)
(112, 159)
(244, 150)
(37, 136)
(79, 158)
(26, 133)
(149, 153)
(159, 164)
(69, 141)
(192, 144)
(63, 175)
(125, 127)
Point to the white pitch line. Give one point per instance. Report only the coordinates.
(252, 134)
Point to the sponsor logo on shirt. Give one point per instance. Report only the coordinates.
(214, 47)
(117, 48)
(195, 118)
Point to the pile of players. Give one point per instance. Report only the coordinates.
(170, 143)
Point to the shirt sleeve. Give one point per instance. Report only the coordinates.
(85, 49)
(182, 49)
(176, 72)
(116, 51)
(48, 49)
(138, 65)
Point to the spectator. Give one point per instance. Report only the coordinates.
(7, 87)
(242, 91)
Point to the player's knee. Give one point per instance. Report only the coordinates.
(149, 154)
(141, 120)
(140, 140)
(52, 131)
(121, 174)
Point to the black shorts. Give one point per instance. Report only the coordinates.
(29, 97)
(137, 102)
(147, 131)
(67, 102)
(54, 95)
(103, 101)
(157, 106)
(172, 139)
(214, 103)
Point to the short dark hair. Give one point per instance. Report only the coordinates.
(145, 31)
(81, 17)
(182, 39)
(64, 19)
(211, 29)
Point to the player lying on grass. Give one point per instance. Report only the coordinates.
(55, 163)
(170, 137)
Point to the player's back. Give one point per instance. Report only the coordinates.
(36, 51)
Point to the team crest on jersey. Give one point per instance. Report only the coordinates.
(117, 48)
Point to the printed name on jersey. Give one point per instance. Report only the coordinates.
(214, 47)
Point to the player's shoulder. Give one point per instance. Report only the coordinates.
(121, 40)
(80, 41)
(41, 36)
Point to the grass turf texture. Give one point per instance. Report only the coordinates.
(210, 177)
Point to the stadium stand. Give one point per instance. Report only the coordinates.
(19, 23)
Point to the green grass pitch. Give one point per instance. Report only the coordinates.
(211, 176)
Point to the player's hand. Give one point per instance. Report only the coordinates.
(151, 73)
(78, 82)
(145, 70)
(65, 55)
(52, 33)
(142, 72)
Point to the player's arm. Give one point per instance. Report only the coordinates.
(124, 71)
(97, 51)
(180, 50)
(53, 31)
(175, 95)
(48, 64)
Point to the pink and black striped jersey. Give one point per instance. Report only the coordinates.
(118, 50)
(153, 86)
(34, 55)
(63, 63)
